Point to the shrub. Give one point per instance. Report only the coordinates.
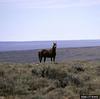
(6, 86)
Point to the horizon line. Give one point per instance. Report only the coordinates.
(52, 40)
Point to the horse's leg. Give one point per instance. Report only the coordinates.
(51, 59)
(44, 59)
(54, 59)
(40, 59)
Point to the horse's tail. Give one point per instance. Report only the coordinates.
(40, 57)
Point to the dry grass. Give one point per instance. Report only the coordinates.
(65, 80)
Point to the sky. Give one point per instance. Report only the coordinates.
(33, 20)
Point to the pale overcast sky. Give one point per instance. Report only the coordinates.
(30, 20)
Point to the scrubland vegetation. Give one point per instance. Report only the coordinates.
(65, 80)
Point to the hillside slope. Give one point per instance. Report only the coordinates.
(63, 54)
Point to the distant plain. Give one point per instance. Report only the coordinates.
(63, 54)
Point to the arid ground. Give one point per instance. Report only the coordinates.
(63, 54)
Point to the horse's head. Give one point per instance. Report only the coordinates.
(54, 45)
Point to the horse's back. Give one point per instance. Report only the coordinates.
(45, 53)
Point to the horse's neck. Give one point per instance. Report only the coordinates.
(53, 50)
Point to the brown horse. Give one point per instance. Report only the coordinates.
(51, 53)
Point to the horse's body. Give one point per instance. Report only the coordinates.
(51, 53)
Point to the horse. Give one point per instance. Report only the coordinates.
(45, 53)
